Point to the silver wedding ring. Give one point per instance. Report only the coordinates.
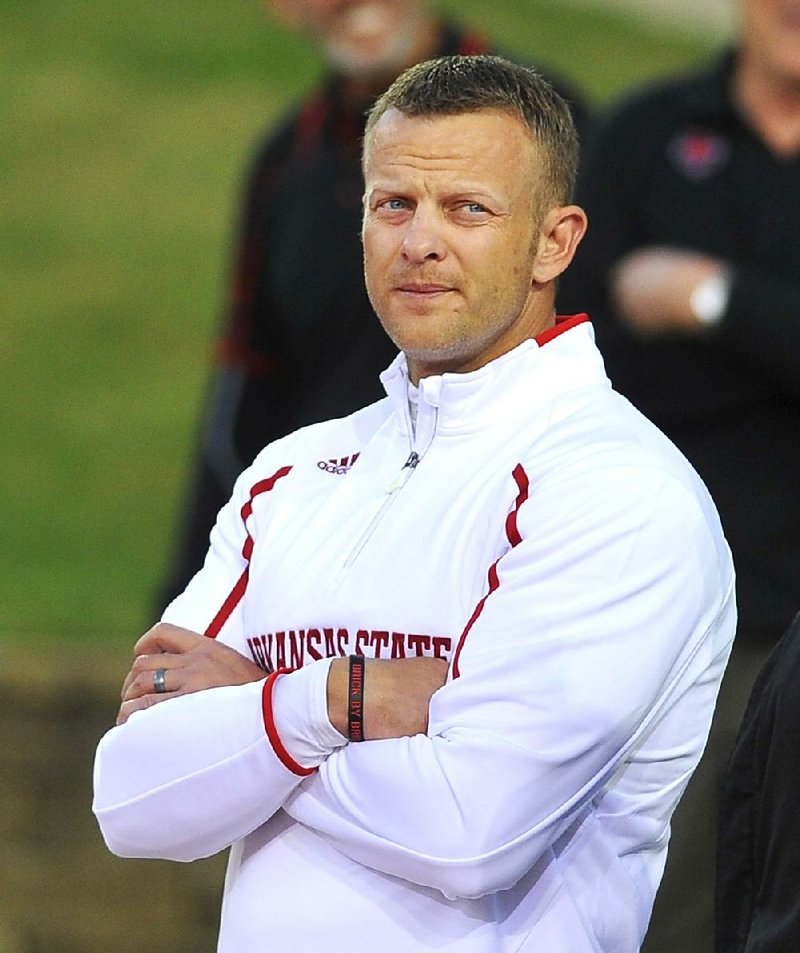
(159, 685)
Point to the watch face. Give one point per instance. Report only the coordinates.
(709, 298)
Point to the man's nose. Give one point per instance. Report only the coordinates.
(423, 240)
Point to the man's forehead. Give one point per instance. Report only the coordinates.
(443, 138)
(395, 121)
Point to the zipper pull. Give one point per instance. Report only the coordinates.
(405, 473)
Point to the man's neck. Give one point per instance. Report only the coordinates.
(771, 105)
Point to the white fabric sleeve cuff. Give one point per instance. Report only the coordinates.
(300, 714)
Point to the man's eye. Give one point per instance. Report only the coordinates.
(394, 205)
(468, 210)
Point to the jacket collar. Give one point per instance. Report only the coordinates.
(515, 385)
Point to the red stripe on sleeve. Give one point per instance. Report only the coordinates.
(512, 530)
(263, 486)
(233, 600)
(235, 596)
(272, 732)
(514, 538)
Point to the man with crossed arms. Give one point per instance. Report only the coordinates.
(505, 510)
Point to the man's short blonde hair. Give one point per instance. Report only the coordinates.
(453, 85)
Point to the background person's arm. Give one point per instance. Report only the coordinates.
(759, 314)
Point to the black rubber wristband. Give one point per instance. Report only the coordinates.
(355, 699)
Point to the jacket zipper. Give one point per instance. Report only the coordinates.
(392, 490)
(391, 494)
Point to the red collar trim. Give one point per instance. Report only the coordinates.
(563, 323)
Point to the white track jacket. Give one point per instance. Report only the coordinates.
(538, 533)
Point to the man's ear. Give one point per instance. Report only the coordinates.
(562, 230)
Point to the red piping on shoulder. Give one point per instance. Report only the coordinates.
(514, 539)
(563, 323)
(235, 596)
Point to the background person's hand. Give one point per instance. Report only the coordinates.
(652, 289)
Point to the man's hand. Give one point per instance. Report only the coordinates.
(652, 288)
(397, 693)
(190, 663)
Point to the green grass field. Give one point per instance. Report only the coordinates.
(125, 129)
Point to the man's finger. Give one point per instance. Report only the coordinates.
(164, 637)
(157, 674)
(127, 708)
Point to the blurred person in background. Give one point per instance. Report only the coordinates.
(300, 342)
(691, 272)
(758, 907)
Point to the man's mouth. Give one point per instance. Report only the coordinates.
(423, 288)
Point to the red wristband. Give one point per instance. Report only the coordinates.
(355, 699)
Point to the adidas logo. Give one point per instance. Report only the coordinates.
(338, 466)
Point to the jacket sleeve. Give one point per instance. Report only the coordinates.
(212, 602)
(596, 620)
(190, 775)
